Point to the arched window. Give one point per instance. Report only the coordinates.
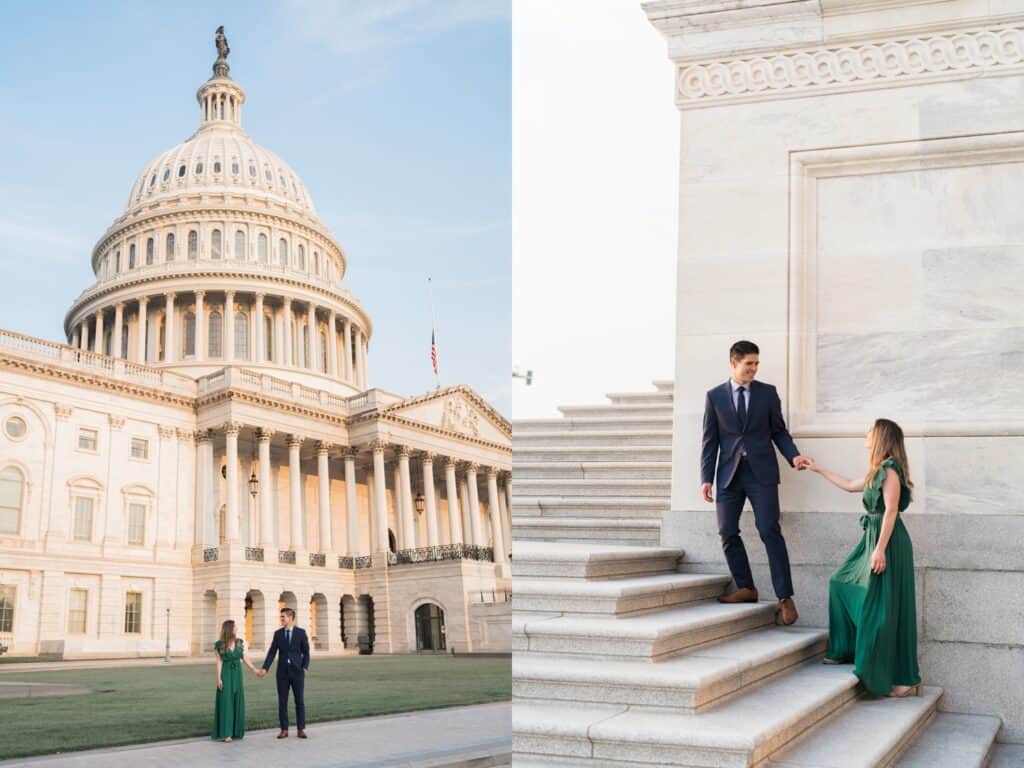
(149, 250)
(215, 244)
(241, 336)
(131, 256)
(240, 253)
(302, 257)
(282, 252)
(193, 245)
(117, 262)
(323, 352)
(12, 493)
(261, 249)
(214, 347)
(169, 248)
(189, 340)
(268, 338)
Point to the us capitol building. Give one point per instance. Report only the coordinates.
(207, 444)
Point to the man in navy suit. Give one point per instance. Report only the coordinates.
(292, 646)
(742, 419)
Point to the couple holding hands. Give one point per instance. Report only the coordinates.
(291, 645)
(872, 621)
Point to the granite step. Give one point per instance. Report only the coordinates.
(576, 453)
(665, 385)
(615, 597)
(692, 682)
(1003, 756)
(658, 487)
(615, 410)
(742, 732)
(564, 470)
(591, 424)
(629, 398)
(650, 636)
(868, 733)
(554, 436)
(577, 560)
(612, 506)
(954, 741)
(583, 529)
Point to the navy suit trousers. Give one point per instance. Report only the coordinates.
(290, 676)
(764, 499)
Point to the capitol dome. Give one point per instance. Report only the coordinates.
(220, 259)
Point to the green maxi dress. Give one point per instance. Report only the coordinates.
(229, 713)
(872, 620)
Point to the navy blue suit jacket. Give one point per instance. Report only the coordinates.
(297, 652)
(723, 436)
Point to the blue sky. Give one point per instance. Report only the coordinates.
(395, 113)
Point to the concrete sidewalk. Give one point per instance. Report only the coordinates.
(456, 737)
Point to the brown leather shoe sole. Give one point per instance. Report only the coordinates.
(788, 609)
(283, 735)
(301, 734)
(745, 595)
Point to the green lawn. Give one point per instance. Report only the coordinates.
(133, 705)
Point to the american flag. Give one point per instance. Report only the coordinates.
(433, 351)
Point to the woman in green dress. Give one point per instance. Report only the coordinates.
(229, 711)
(872, 621)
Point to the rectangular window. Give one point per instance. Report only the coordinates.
(77, 602)
(83, 518)
(133, 613)
(136, 523)
(140, 448)
(88, 439)
(6, 608)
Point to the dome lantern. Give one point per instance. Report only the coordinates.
(220, 98)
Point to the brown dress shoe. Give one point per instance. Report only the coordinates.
(301, 734)
(745, 595)
(283, 735)
(788, 608)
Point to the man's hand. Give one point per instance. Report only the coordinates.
(802, 462)
(705, 490)
(261, 673)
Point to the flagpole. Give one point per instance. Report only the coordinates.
(433, 328)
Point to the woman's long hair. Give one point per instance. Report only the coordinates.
(227, 634)
(887, 443)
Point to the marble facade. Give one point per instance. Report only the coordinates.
(872, 153)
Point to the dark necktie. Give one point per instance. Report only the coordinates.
(741, 408)
(288, 637)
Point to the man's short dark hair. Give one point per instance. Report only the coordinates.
(289, 613)
(741, 349)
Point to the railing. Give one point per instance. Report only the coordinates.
(211, 554)
(319, 560)
(248, 379)
(286, 556)
(444, 552)
(254, 553)
(93, 362)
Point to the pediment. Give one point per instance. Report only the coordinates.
(459, 410)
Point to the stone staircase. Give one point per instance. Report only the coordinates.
(621, 660)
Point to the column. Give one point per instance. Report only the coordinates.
(266, 512)
(204, 465)
(508, 505)
(407, 520)
(115, 344)
(428, 492)
(295, 491)
(287, 346)
(170, 337)
(454, 516)
(140, 342)
(323, 469)
(332, 344)
(311, 339)
(346, 329)
(98, 341)
(261, 343)
(506, 518)
(474, 506)
(494, 508)
(231, 457)
(396, 484)
(371, 509)
(83, 338)
(350, 502)
(363, 377)
(467, 527)
(201, 340)
(380, 503)
(229, 326)
(76, 334)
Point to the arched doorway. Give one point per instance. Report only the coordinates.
(366, 634)
(318, 621)
(392, 541)
(209, 621)
(349, 621)
(255, 619)
(429, 619)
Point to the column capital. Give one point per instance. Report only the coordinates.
(264, 435)
(260, 295)
(143, 301)
(185, 435)
(63, 411)
(116, 422)
(203, 435)
(200, 294)
(170, 295)
(323, 446)
(229, 295)
(295, 441)
(404, 452)
(492, 471)
(379, 446)
(427, 457)
(451, 461)
(119, 305)
(472, 466)
(350, 452)
(166, 432)
(287, 301)
(231, 428)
